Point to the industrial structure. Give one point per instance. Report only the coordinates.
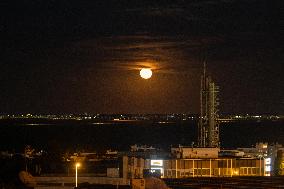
(208, 131)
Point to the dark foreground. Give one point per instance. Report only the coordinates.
(234, 182)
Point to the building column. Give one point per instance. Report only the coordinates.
(176, 169)
(231, 167)
(193, 168)
(210, 168)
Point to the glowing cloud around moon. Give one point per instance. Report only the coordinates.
(146, 73)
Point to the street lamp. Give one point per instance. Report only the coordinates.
(76, 174)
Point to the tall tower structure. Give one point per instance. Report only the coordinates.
(208, 135)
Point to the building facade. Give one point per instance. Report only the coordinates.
(217, 167)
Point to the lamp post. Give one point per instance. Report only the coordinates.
(76, 174)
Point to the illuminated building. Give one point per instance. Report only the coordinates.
(215, 167)
(271, 153)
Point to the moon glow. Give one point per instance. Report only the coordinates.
(146, 73)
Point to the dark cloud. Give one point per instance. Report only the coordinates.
(66, 56)
(134, 52)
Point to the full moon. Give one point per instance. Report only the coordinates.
(145, 73)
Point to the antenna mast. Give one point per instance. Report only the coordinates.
(208, 128)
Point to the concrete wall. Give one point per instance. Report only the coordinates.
(133, 167)
(67, 181)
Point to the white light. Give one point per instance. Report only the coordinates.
(145, 73)
(158, 163)
(153, 170)
(268, 168)
(267, 161)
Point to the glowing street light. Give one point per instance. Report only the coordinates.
(76, 175)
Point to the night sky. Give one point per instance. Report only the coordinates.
(67, 56)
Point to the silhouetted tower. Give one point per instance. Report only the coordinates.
(208, 135)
